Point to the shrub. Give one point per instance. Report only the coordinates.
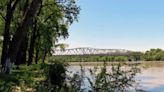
(114, 80)
(57, 73)
(120, 58)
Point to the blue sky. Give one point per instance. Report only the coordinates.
(119, 24)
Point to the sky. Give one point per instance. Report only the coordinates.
(136, 25)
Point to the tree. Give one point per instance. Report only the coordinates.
(52, 25)
(37, 25)
(154, 55)
(20, 34)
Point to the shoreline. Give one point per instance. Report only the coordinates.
(143, 63)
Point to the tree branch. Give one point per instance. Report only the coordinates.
(14, 5)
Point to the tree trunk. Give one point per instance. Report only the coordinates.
(7, 66)
(25, 46)
(37, 48)
(36, 56)
(33, 38)
(22, 29)
(21, 56)
(6, 41)
(32, 44)
(44, 57)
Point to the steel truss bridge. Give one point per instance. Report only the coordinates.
(90, 51)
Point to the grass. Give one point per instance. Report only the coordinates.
(26, 77)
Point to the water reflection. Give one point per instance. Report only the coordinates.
(150, 79)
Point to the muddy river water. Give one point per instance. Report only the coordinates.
(149, 79)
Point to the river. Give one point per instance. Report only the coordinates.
(149, 79)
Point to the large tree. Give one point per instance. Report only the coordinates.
(36, 27)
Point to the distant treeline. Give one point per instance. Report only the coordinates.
(151, 55)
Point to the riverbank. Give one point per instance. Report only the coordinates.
(142, 63)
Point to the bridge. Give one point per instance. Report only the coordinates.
(89, 51)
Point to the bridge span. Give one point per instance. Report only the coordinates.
(90, 51)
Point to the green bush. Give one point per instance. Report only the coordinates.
(57, 73)
(116, 80)
(120, 58)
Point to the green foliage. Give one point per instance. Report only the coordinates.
(57, 73)
(154, 55)
(41, 34)
(114, 80)
(56, 78)
(24, 78)
(89, 58)
(120, 58)
(101, 80)
(53, 22)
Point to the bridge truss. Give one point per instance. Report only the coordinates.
(90, 51)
